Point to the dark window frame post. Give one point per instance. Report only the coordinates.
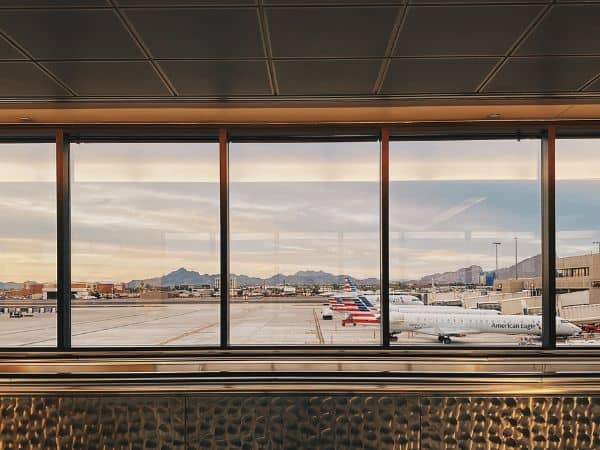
(548, 238)
(384, 238)
(224, 236)
(63, 249)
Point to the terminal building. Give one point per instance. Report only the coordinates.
(577, 289)
(573, 273)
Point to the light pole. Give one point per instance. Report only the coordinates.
(497, 244)
(516, 253)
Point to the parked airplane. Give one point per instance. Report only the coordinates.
(361, 305)
(446, 326)
(352, 300)
(397, 299)
(367, 316)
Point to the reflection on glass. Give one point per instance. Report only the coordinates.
(578, 237)
(465, 240)
(304, 243)
(27, 245)
(145, 221)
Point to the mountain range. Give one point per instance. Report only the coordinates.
(8, 285)
(184, 276)
(530, 267)
(527, 268)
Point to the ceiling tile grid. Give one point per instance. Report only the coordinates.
(108, 78)
(218, 78)
(422, 76)
(25, 79)
(187, 33)
(545, 74)
(477, 30)
(8, 52)
(327, 77)
(69, 33)
(279, 49)
(349, 32)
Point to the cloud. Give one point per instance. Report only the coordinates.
(140, 210)
(456, 210)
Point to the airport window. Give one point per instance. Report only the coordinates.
(304, 237)
(578, 236)
(145, 232)
(28, 245)
(465, 239)
(573, 272)
(465, 243)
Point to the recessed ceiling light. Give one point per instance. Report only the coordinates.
(25, 119)
(494, 116)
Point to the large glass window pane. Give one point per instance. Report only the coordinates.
(145, 222)
(304, 243)
(578, 239)
(465, 221)
(27, 245)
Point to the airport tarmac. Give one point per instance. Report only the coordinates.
(251, 323)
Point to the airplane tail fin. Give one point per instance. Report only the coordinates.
(349, 286)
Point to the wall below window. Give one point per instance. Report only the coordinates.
(300, 421)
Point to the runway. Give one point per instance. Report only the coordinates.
(251, 323)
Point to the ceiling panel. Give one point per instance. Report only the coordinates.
(331, 2)
(594, 87)
(567, 29)
(69, 34)
(109, 78)
(327, 77)
(330, 32)
(218, 78)
(199, 33)
(185, 2)
(7, 51)
(24, 79)
(51, 3)
(436, 75)
(451, 2)
(463, 30)
(549, 74)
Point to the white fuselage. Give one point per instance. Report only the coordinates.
(442, 310)
(396, 299)
(453, 324)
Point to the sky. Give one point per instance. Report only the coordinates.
(140, 210)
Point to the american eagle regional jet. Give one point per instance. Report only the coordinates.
(446, 326)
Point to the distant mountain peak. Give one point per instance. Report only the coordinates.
(183, 276)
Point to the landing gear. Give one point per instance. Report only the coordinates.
(444, 339)
(393, 338)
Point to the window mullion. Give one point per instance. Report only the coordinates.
(224, 235)
(63, 212)
(548, 240)
(384, 237)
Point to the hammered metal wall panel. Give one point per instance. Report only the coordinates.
(303, 422)
(508, 423)
(28, 423)
(122, 423)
